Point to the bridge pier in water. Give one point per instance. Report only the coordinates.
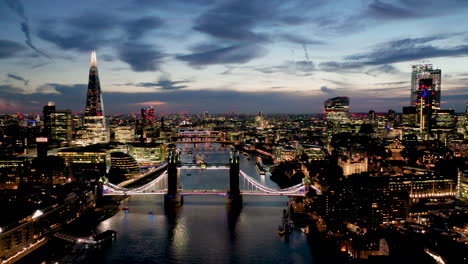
(173, 198)
(234, 196)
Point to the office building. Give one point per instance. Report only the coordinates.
(337, 108)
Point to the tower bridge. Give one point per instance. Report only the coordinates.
(240, 184)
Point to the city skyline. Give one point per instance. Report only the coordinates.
(219, 56)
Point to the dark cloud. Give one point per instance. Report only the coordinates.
(106, 57)
(8, 90)
(383, 55)
(300, 39)
(224, 55)
(335, 82)
(335, 66)
(137, 28)
(234, 20)
(380, 10)
(75, 33)
(17, 7)
(303, 66)
(18, 78)
(140, 57)
(386, 68)
(329, 91)
(165, 84)
(407, 49)
(68, 41)
(9, 49)
(289, 67)
(391, 83)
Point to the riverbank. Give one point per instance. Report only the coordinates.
(51, 249)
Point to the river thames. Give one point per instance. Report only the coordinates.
(204, 229)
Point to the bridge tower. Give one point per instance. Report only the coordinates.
(234, 195)
(173, 198)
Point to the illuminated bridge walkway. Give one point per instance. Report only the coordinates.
(248, 186)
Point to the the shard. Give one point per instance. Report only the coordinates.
(95, 129)
(94, 106)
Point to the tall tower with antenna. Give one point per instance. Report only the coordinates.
(95, 129)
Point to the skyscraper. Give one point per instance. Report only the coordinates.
(57, 125)
(425, 94)
(337, 108)
(95, 129)
(425, 76)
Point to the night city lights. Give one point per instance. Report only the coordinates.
(234, 131)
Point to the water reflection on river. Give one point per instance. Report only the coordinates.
(204, 229)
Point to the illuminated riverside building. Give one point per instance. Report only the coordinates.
(20, 238)
(125, 163)
(422, 183)
(86, 161)
(95, 128)
(147, 154)
(337, 108)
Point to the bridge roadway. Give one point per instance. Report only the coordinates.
(209, 192)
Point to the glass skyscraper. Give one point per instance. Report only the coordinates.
(424, 78)
(95, 129)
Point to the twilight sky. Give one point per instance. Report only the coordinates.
(274, 56)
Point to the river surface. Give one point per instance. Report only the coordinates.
(204, 229)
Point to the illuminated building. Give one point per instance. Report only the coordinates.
(285, 153)
(337, 108)
(57, 125)
(423, 183)
(123, 134)
(425, 94)
(260, 121)
(95, 129)
(125, 163)
(355, 166)
(29, 233)
(49, 170)
(12, 172)
(89, 161)
(150, 114)
(314, 152)
(372, 115)
(47, 112)
(409, 117)
(424, 76)
(147, 154)
(462, 185)
(445, 119)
